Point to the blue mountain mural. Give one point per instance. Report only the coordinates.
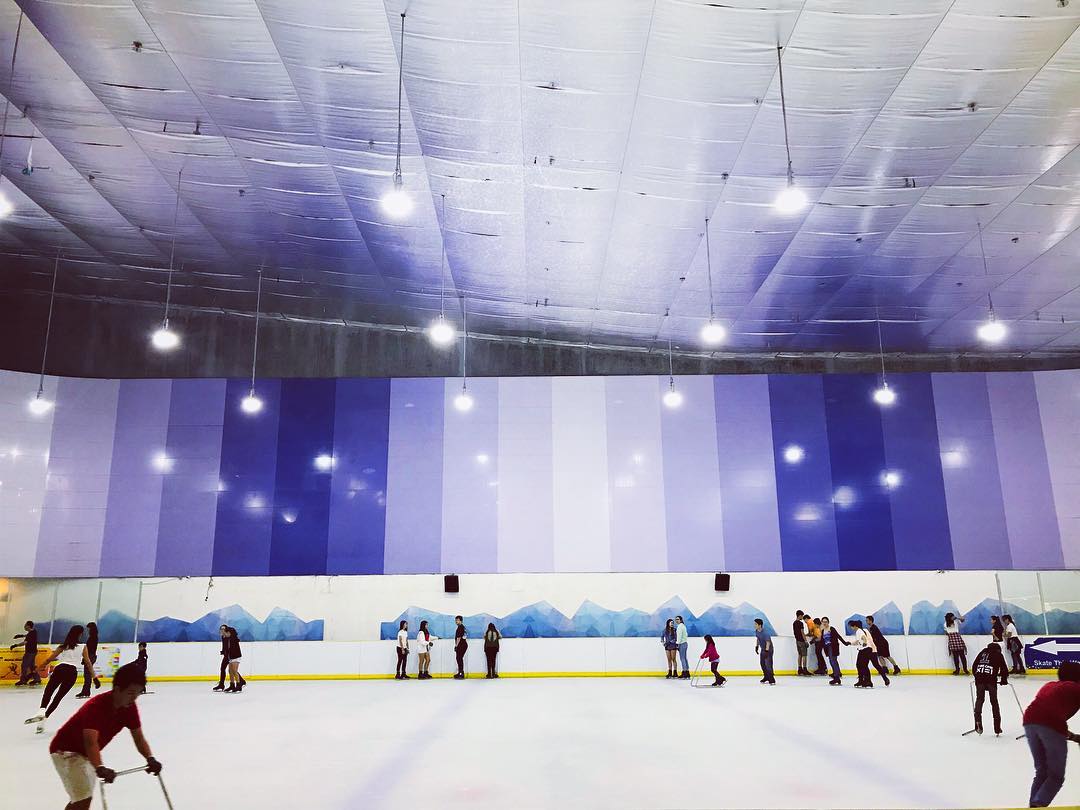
(928, 619)
(279, 625)
(590, 620)
(887, 617)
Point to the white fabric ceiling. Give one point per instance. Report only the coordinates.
(579, 146)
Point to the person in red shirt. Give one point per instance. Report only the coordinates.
(1048, 735)
(76, 748)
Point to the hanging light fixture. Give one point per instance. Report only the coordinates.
(40, 404)
(441, 333)
(883, 395)
(991, 330)
(396, 201)
(672, 397)
(712, 333)
(792, 199)
(464, 401)
(165, 339)
(252, 403)
(6, 206)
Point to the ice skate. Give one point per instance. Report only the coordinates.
(37, 718)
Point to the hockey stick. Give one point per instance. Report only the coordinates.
(971, 694)
(1020, 707)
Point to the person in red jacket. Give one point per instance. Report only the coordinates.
(714, 660)
(1048, 735)
(76, 748)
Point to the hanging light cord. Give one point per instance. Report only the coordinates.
(48, 326)
(255, 344)
(464, 340)
(783, 111)
(442, 263)
(7, 98)
(986, 269)
(172, 250)
(400, 85)
(880, 347)
(670, 365)
(708, 269)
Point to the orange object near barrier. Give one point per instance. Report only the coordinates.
(11, 664)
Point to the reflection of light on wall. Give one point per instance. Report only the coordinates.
(624, 482)
(254, 501)
(161, 462)
(954, 459)
(482, 458)
(221, 486)
(15, 453)
(891, 479)
(289, 515)
(493, 483)
(807, 512)
(844, 497)
(793, 454)
(324, 462)
(639, 459)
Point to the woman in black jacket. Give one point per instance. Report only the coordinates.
(91, 654)
(831, 639)
(232, 641)
(491, 649)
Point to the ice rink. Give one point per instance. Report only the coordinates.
(552, 743)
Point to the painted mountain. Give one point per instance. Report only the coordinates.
(279, 625)
(928, 619)
(113, 627)
(590, 620)
(887, 617)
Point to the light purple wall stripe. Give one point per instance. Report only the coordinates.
(131, 523)
(77, 490)
(969, 466)
(526, 538)
(747, 473)
(471, 479)
(189, 492)
(1034, 538)
(1059, 404)
(635, 474)
(695, 525)
(414, 478)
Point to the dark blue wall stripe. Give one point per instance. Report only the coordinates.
(358, 490)
(857, 453)
(804, 490)
(301, 489)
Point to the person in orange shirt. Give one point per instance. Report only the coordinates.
(815, 629)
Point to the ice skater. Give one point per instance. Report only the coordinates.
(28, 673)
(70, 657)
(867, 655)
(714, 661)
(424, 642)
(491, 649)
(236, 683)
(997, 631)
(1015, 645)
(831, 639)
(76, 748)
(223, 631)
(402, 651)
(798, 629)
(461, 644)
(671, 648)
(881, 644)
(1047, 731)
(142, 661)
(814, 636)
(763, 646)
(988, 669)
(957, 647)
(682, 641)
(89, 676)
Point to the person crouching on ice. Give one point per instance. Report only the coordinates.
(714, 660)
(76, 748)
(988, 668)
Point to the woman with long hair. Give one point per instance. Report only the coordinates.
(671, 648)
(491, 649)
(69, 657)
(957, 647)
(424, 642)
(867, 655)
(91, 653)
(402, 651)
(997, 630)
(1015, 646)
(232, 641)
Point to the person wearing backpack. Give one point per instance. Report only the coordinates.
(491, 649)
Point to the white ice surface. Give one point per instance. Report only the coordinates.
(551, 743)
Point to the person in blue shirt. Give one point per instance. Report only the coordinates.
(831, 640)
(763, 646)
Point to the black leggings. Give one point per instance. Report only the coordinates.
(982, 689)
(959, 660)
(60, 682)
(224, 672)
(714, 666)
(402, 661)
(1017, 660)
(460, 654)
(863, 660)
(491, 655)
(88, 676)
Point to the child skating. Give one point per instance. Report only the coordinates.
(714, 661)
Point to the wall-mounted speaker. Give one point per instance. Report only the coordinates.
(723, 582)
(450, 583)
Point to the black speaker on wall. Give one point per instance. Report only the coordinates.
(723, 582)
(450, 583)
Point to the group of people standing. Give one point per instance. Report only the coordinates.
(676, 640)
(1003, 632)
(872, 646)
(425, 640)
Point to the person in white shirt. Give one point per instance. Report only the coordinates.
(424, 642)
(402, 651)
(70, 658)
(1015, 645)
(682, 640)
(867, 655)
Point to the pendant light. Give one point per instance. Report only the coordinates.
(396, 202)
(792, 199)
(991, 330)
(883, 395)
(165, 339)
(672, 397)
(441, 333)
(6, 206)
(40, 404)
(464, 401)
(252, 403)
(712, 333)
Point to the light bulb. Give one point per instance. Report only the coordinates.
(891, 479)
(463, 401)
(164, 339)
(324, 462)
(791, 200)
(992, 331)
(713, 333)
(6, 206)
(672, 398)
(251, 403)
(396, 201)
(793, 454)
(39, 405)
(441, 333)
(884, 395)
